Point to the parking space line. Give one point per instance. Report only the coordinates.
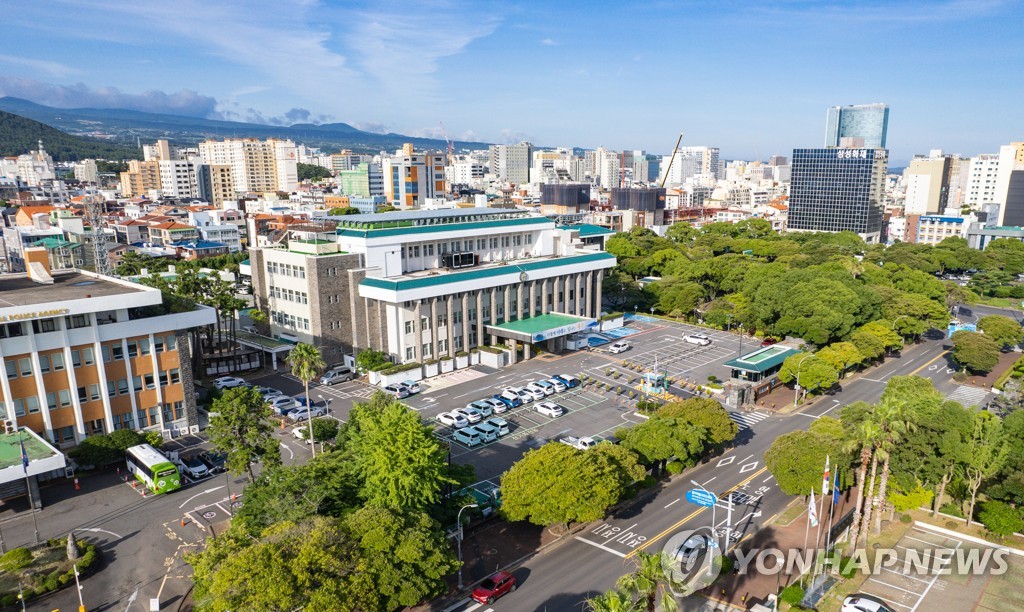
(905, 575)
(893, 586)
(931, 584)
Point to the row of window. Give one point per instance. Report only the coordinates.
(62, 398)
(299, 297)
(426, 350)
(459, 246)
(286, 269)
(285, 319)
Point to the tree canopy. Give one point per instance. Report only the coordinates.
(241, 427)
(975, 351)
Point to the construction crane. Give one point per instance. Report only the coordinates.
(451, 149)
(673, 158)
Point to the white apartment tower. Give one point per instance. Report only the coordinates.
(257, 166)
(511, 163)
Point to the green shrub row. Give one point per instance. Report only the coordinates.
(54, 580)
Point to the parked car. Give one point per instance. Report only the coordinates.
(282, 404)
(518, 394)
(470, 414)
(215, 461)
(550, 409)
(859, 602)
(536, 392)
(305, 413)
(510, 402)
(557, 384)
(583, 443)
(302, 400)
(269, 393)
(452, 420)
(487, 433)
(411, 386)
(193, 467)
(494, 587)
(689, 551)
(500, 424)
(698, 339)
(496, 405)
(619, 347)
(768, 341)
(301, 433)
(397, 390)
(468, 436)
(228, 382)
(485, 408)
(569, 381)
(337, 375)
(541, 385)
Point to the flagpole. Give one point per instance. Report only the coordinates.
(821, 512)
(807, 527)
(28, 485)
(831, 511)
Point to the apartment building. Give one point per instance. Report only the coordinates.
(410, 178)
(426, 284)
(85, 354)
(257, 166)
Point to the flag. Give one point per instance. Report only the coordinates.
(24, 456)
(835, 490)
(825, 479)
(812, 513)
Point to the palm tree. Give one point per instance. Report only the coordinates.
(866, 522)
(612, 601)
(895, 421)
(863, 440)
(651, 577)
(307, 363)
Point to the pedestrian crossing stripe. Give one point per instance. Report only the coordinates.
(747, 419)
(968, 396)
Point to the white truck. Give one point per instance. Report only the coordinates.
(581, 443)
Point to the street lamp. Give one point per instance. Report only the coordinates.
(459, 520)
(740, 327)
(799, 364)
(902, 341)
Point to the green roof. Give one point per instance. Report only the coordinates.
(588, 230)
(479, 273)
(10, 449)
(763, 359)
(53, 243)
(544, 322)
(440, 227)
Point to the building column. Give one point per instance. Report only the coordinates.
(544, 306)
(5, 386)
(37, 378)
(533, 299)
(479, 318)
(568, 287)
(507, 314)
(598, 293)
(515, 345)
(421, 331)
(589, 282)
(182, 342)
(450, 324)
(69, 370)
(433, 328)
(577, 280)
(465, 321)
(527, 350)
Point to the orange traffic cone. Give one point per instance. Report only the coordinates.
(182, 521)
(76, 484)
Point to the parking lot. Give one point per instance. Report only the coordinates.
(910, 586)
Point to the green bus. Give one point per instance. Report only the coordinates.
(152, 468)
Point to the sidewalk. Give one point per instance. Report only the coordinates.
(745, 590)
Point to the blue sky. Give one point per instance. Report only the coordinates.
(753, 78)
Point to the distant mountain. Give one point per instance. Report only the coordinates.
(128, 126)
(19, 135)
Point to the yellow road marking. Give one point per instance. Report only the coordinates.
(693, 514)
(937, 357)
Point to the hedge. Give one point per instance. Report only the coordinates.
(403, 367)
(491, 350)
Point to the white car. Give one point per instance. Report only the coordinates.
(698, 339)
(619, 347)
(470, 414)
(859, 602)
(397, 390)
(496, 405)
(452, 419)
(411, 386)
(524, 396)
(269, 393)
(301, 433)
(541, 385)
(282, 404)
(557, 384)
(550, 409)
(228, 382)
(485, 408)
(535, 391)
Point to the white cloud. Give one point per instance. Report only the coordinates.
(549, 42)
(55, 69)
(184, 102)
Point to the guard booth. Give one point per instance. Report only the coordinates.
(756, 373)
(547, 331)
(654, 383)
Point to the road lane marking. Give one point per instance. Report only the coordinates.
(603, 547)
(98, 530)
(934, 359)
(198, 494)
(287, 448)
(691, 515)
(673, 502)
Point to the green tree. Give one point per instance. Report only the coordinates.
(797, 459)
(841, 356)
(975, 352)
(559, 484)
(652, 582)
(385, 208)
(613, 601)
(987, 452)
(306, 363)
(705, 413)
(659, 439)
(369, 360)
(679, 299)
(808, 372)
(1003, 330)
(882, 331)
(402, 559)
(312, 172)
(1000, 518)
(896, 421)
(241, 428)
(401, 463)
(344, 211)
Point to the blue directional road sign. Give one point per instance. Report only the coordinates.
(701, 497)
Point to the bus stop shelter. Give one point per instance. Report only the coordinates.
(549, 329)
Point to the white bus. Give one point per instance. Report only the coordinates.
(152, 468)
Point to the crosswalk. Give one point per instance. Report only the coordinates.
(746, 420)
(968, 396)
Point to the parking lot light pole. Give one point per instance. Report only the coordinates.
(309, 412)
(459, 520)
(327, 408)
(796, 397)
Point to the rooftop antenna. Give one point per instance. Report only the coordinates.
(94, 206)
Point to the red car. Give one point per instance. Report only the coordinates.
(768, 341)
(494, 587)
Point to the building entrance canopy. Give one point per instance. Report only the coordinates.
(542, 327)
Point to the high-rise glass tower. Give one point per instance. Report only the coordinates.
(835, 190)
(866, 121)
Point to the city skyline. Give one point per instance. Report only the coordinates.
(769, 71)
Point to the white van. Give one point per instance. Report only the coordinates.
(487, 432)
(468, 436)
(498, 423)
